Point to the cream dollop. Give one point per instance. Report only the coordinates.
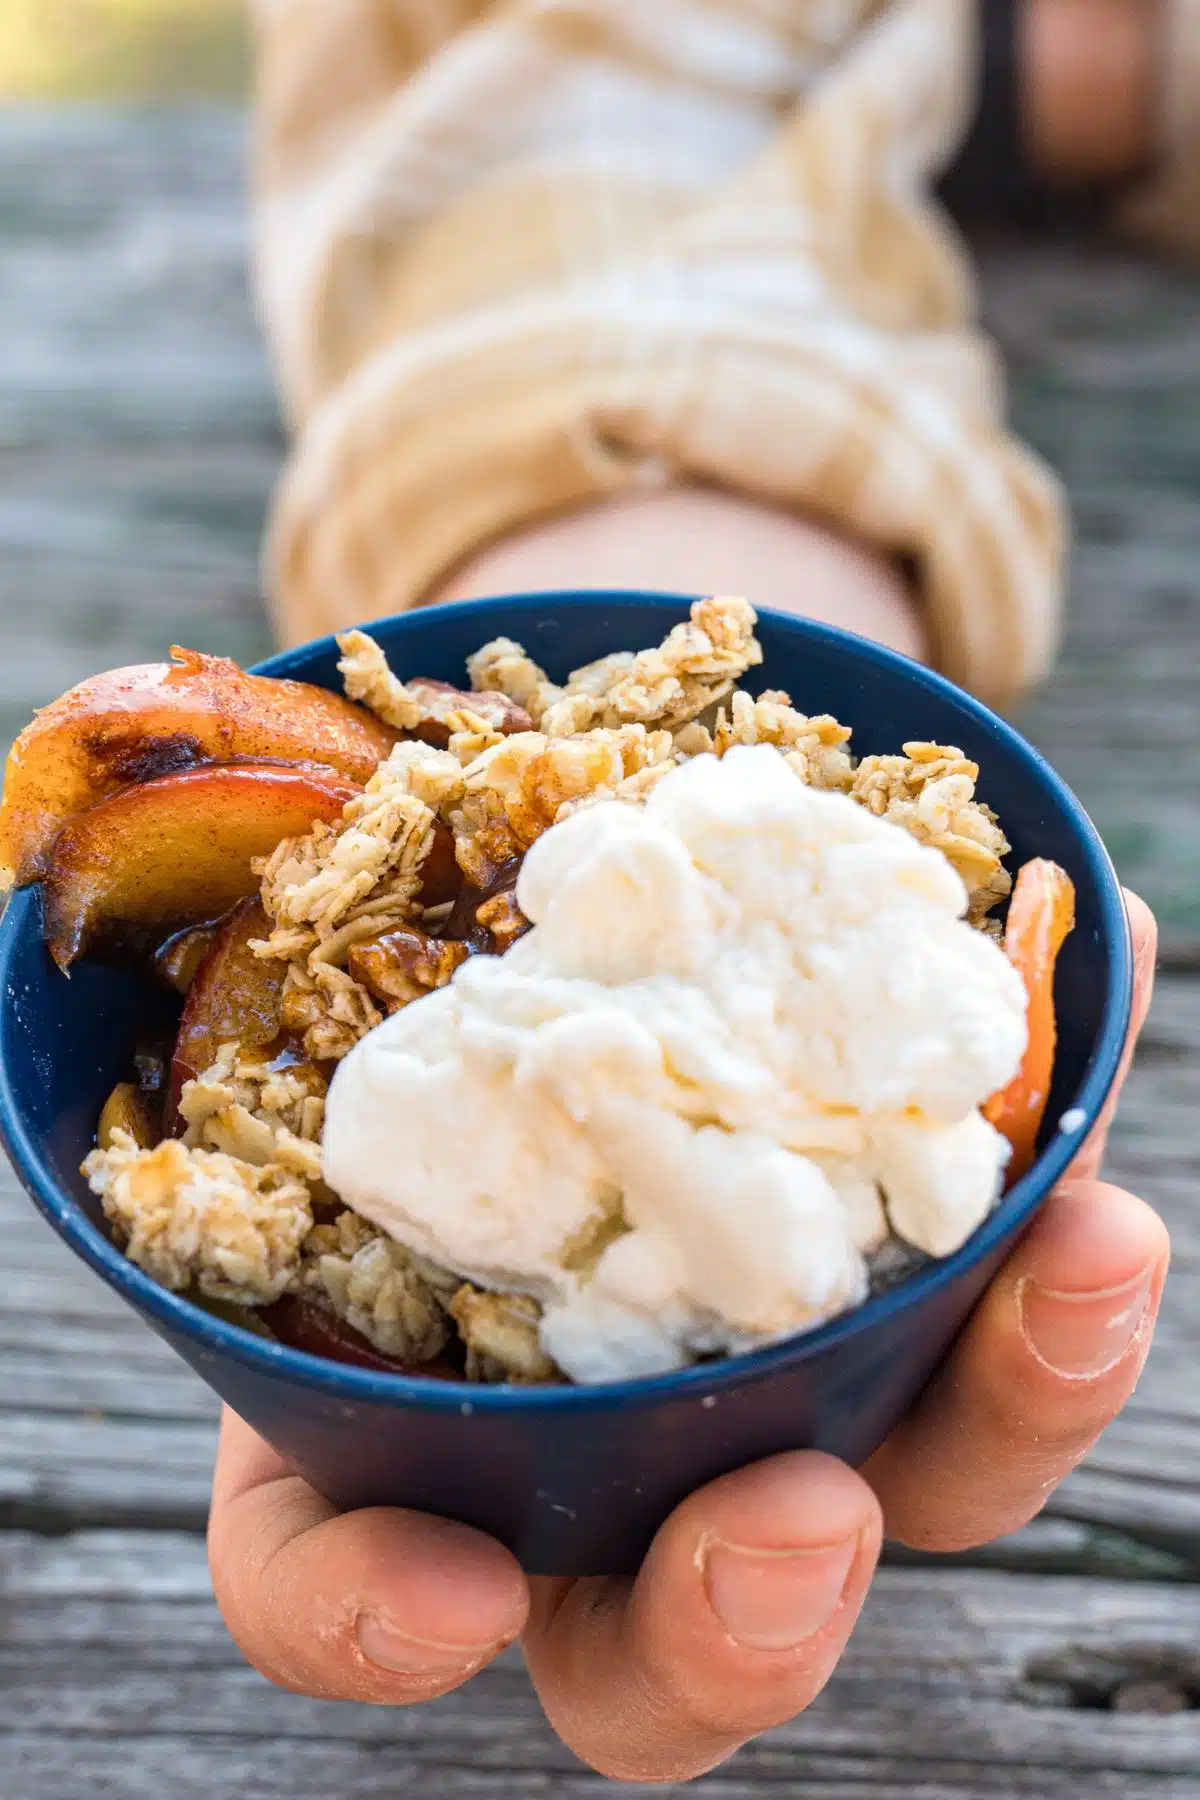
(749, 1029)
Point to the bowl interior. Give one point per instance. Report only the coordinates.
(64, 1043)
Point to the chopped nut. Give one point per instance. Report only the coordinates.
(198, 1216)
(500, 1332)
(401, 965)
(503, 920)
(374, 1284)
(450, 713)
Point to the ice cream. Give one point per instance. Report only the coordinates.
(749, 1029)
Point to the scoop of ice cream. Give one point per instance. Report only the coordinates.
(749, 1019)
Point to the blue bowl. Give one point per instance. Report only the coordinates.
(577, 1480)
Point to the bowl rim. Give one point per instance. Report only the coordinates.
(213, 1336)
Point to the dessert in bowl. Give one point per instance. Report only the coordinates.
(617, 1082)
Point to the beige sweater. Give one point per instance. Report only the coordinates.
(518, 255)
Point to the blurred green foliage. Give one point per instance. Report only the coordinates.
(134, 49)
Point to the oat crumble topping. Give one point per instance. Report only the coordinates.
(500, 1332)
(200, 1217)
(375, 1285)
(930, 792)
(229, 1206)
(342, 884)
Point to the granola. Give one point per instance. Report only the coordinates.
(381, 907)
(194, 1217)
(500, 1332)
(342, 884)
(253, 1110)
(930, 792)
(376, 1287)
(432, 710)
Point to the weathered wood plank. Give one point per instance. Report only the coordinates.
(138, 430)
(312, 1772)
(971, 1684)
(1104, 357)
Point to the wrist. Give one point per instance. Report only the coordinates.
(693, 539)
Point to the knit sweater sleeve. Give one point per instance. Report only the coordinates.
(516, 257)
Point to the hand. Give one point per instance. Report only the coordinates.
(750, 1591)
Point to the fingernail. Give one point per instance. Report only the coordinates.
(776, 1599)
(1083, 1336)
(383, 1643)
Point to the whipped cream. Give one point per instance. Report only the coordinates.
(749, 1032)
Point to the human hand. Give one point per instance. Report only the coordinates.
(751, 1589)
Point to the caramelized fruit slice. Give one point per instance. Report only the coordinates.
(178, 960)
(302, 1325)
(234, 999)
(441, 877)
(1041, 913)
(127, 1109)
(132, 725)
(177, 851)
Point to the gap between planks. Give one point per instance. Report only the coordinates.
(970, 1685)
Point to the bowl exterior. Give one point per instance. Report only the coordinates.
(576, 1481)
(583, 1492)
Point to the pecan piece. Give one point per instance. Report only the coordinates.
(502, 921)
(401, 965)
(449, 710)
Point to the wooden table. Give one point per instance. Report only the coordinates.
(138, 443)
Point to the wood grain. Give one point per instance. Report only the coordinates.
(972, 1684)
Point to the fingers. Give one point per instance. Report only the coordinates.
(734, 1624)
(1051, 1355)
(381, 1605)
(1143, 929)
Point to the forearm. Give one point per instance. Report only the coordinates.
(695, 539)
(545, 273)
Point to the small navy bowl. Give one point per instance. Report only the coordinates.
(576, 1480)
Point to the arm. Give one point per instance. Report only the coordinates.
(616, 301)
(579, 255)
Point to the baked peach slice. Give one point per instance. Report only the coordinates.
(134, 725)
(176, 851)
(1041, 916)
(234, 998)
